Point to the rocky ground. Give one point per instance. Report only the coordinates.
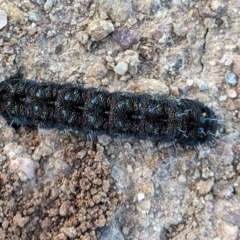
(58, 185)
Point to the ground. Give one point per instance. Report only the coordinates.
(63, 185)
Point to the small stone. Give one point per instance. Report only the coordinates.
(8, 49)
(125, 230)
(232, 93)
(3, 19)
(223, 190)
(132, 59)
(103, 15)
(60, 236)
(182, 178)
(55, 67)
(208, 13)
(218, 5)
(24, 165)
(20, 221)
(178, 64)
(203, 86)
(157, 34)
(174, 90)
(48, 6)
(207, 173)
(145, 206)
(32, 29)
(105, 81)
(125, 37)
(58, 49)
(121, 68)
(223, 98)
(70, 232)
(189, 82)
(34, 17)
(104, 139)
(5, 224)
(230, 232)
(181, 28)
(98, 29)
(82, 37)
(140, 196)
(231, 79)
(205, 187)
(117, 10)
(63, 211)
(98, 71)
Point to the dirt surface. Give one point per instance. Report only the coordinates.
(63, 185)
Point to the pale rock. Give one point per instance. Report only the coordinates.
(98, 29)
(121, 68)
(3, 19)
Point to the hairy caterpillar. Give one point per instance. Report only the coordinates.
(94, 111)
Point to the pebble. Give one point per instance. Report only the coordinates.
(232, 93)
(82, 37)
(111, 231)
(140, 196)
(24, 165)
(205, 187)
(5, 224)
(132, 59)
(202, 86)
(98, 29)
(48, 6)
(231, 79)
(125, 230)
(34, 17)
(182, 178)
(63, 211)
(20, 221)
(174, 90)
(71, 232)
(55, 67)
(97, 72)
(218, 5)
(223, 191)
(207, 173)
(230, 232)
(178, 64)
(121, 68)
(238, 168)
(119, 12)
(223, 98)
(105, 81)
(8, 49)
(103, 15)
(3, 19)
(189, 82)
(145, 206)
(125, 37)
(180, 28)
(104, 139)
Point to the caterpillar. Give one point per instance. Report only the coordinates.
(97, 111)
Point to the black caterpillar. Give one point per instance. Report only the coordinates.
(94, 111)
